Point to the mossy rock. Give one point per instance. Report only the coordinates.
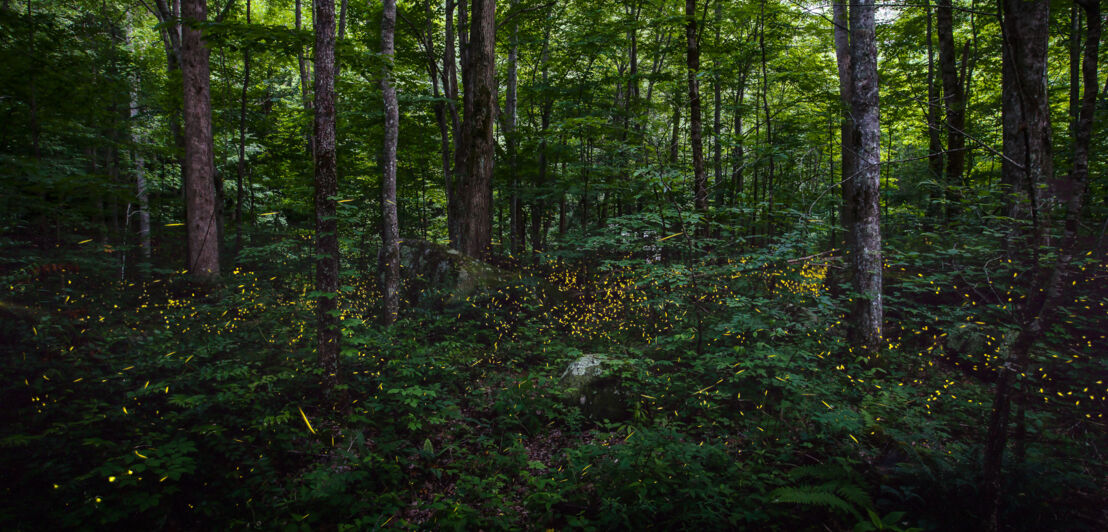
(591, 383)
(429, 268)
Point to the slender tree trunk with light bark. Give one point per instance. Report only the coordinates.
(390, 227)
(864, 200)
(692, 57)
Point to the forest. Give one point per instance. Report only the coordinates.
(553, 264)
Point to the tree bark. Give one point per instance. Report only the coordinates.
(241, 169)
(717, 118)
(479, 71)
(326, 187)
(517, 233)
(1025, 110)
(450, 93)
(692, 56)
(390, 227)
(866, 315)
(954, 101)
(1036, 313)
(302, 64)
(538, 209)
(849, 158)
(770, 165)
(140, 167)
(934, 131)
(200, 194)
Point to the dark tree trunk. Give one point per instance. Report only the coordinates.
(200, 194)
(955, 103)
(450, 93)
(866, 315)
(1026, 113)
(700, 178)
(1036, 313)
(479, 71)
(326, 187)
(934, 133)
(390, 226)
(717, 118)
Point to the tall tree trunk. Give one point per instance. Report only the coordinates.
(450, 93)
(955, 103)
(241, 170)
(517, 234)
(200, 194)
(302, 63)
(326, 187)
(140, 166)
(934, 133)
(390, 227)
(692, 56)
(675, 138)
(866, 318)
(1036, 312)
(479, 71)
(770, 166)
(539, 207)
(1025, 110)
(738, 153)
(717, 108)
(846, 147)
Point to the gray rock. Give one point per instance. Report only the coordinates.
(591, 383)
(428, 267)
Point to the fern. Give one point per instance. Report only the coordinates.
(813, 496)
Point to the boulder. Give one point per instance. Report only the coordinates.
(591, 383)
(430, 268)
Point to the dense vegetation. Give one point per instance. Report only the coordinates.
(705, 252)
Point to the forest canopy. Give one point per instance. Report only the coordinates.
(542, 264)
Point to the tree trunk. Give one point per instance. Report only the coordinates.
(450, 93)
(517, 234)
(846, 147)
(1025, 110)
(738, 153)
(475, 231)
(200, 194)
(302, 63)
(390, 227)
(326, 187)
(241, 170)
(934, 133)
(769, 178)
(140, 168)
(539, 207)
(1036, 313)
(700, 178)
(955, 103)
(717, 119)
(866, 318)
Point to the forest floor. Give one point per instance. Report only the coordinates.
(739, 402)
